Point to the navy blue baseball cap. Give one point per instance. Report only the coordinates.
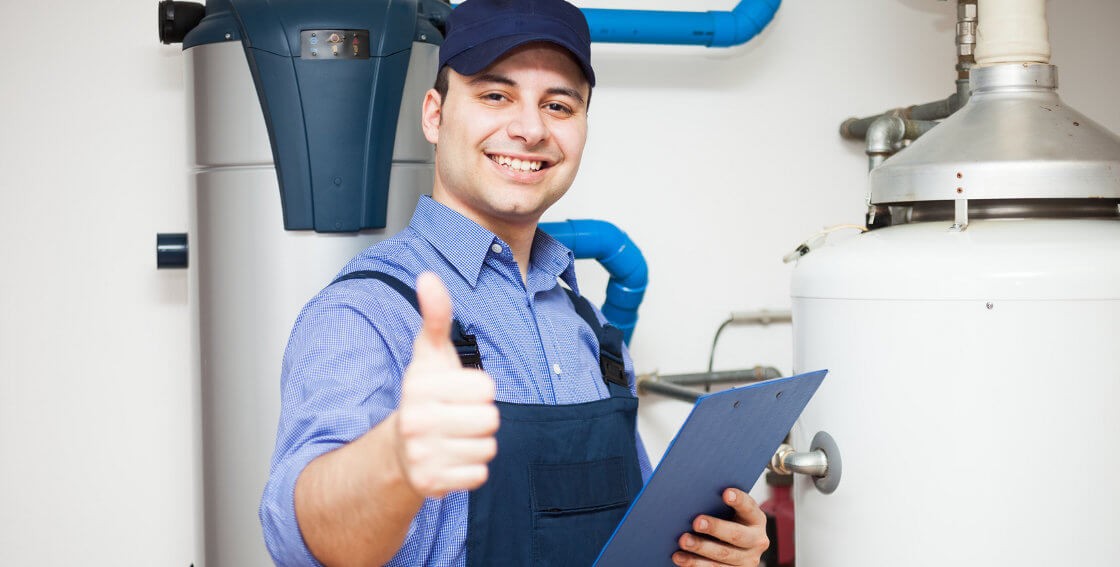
(479, 32)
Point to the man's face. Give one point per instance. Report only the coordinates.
(509, 139)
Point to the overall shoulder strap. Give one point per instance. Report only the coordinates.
(400, 287)
(610, 342)
(466, 345)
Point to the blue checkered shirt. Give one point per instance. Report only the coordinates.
(352, 342)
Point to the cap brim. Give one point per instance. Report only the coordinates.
(477, 58)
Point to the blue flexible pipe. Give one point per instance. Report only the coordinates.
(713, 29)
(629, 275)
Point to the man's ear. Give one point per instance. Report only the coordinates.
(431, 115)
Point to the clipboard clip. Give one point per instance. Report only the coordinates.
(822, 462)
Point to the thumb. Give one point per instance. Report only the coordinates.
(435, 312)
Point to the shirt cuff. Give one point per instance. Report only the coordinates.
(282, 535)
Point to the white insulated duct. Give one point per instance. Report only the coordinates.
(1012, 31)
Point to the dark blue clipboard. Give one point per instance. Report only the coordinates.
(726, 441)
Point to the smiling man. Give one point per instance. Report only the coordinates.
(488, 417)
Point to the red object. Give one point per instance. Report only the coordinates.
(779, 511)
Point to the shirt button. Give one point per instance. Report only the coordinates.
(556, 369)
(497, 248)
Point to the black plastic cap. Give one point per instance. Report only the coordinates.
(177, 19)
(172, 250)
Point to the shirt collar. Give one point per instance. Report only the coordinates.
(553, 259)
(461, 241)
(465, 244)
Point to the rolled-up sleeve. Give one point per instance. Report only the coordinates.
(340, 377)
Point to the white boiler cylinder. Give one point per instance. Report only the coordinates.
(254, 276)
(973, 393)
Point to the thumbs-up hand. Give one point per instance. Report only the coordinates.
(447, 418)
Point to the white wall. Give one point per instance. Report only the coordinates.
(98, 416)
(716, 162)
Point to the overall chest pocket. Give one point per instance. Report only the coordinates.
(576, 507)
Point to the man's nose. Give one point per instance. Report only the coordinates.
(528, 125)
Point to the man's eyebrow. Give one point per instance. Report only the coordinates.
(564, 91)
(504, 80)
(493, 78)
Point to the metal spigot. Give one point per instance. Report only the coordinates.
(788, 461)
(822, 462)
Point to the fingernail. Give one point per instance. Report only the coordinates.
(702, 524)
(732, 496)
(689, 541)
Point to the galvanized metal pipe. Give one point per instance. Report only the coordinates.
(967, 20)
(964, 91)
(648, 384)
(884, 138)
(857, 128)
(676, 385)
(887, 133)
(756, 374)
(760, 317)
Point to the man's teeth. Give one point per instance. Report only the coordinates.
(520, 165)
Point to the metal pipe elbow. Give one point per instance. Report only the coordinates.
(788, 461)
(887, 132)
(884, 134)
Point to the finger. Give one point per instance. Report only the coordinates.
(717, 552)
(685, 559)
(734, 534)
(450, 421)
(435, 311)
(744, 536)
(434, 457)
(746, 509)
(457, 478)
(459, 385)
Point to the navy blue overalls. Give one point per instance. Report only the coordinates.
(564, 475)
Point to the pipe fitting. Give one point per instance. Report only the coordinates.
(822, 462)
(856, 128)
(966, 32)
(884, 133)
(787, 461)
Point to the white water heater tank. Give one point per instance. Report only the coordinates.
(975, 374)
(974, 379)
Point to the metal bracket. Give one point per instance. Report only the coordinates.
(960, 215)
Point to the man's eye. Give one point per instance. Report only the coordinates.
(495, 97)
(557, 107)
